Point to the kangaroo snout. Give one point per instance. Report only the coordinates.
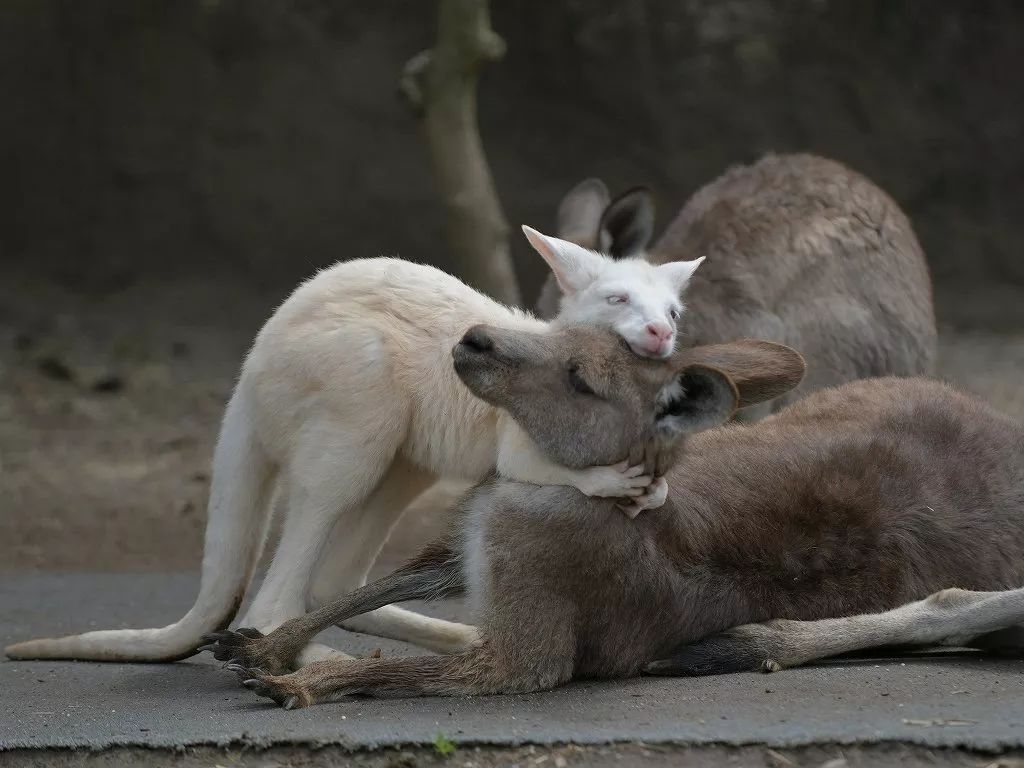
(473, 355)
(657, 339)
(478, 339)
(660, 331)
(478, 363)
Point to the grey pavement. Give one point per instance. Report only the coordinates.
(954, 700)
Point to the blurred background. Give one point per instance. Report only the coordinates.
(172, 168)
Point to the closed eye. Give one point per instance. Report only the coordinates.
(618, 298)
(577, 382)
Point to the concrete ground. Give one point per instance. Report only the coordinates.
(957, 703)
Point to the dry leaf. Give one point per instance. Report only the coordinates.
(938, 721)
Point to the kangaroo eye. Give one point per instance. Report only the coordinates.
(618, 298)
(577, 383)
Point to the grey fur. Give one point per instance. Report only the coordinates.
(803, 251)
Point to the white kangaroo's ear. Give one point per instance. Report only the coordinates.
(575, 268)
(680, 272)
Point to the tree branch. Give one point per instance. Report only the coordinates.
(440, 85)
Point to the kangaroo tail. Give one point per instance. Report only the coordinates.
(238, 518)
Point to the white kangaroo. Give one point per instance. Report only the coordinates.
(348, 406)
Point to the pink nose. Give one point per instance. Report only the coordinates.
(660, 331)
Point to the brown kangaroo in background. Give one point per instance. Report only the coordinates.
(800, 250)
(856, 499)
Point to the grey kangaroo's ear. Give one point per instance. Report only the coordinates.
(579, 213)
(699, 397)
(760, 370)
(627, 223)
(710, 384)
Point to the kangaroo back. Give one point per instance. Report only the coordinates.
(804, 251)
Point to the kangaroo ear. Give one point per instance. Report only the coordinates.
(760, 370)
(699, 397)
(579, 213)
(575, 268)
(627, 223)
(680, 272)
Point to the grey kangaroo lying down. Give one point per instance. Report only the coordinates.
(853, 500)
(800, 250)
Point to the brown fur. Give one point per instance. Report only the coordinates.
(856, 499)
(800, 250)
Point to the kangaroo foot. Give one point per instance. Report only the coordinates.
(250, 648)
(282, 689)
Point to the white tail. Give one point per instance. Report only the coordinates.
(239, 514)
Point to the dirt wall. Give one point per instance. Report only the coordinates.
(156, 137)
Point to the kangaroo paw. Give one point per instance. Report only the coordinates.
(280, 689)
(249, 648)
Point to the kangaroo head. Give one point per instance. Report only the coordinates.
(586, 399)
(641, 302)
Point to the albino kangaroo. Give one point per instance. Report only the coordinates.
(348, 402)
(855, 499)
(801, 250)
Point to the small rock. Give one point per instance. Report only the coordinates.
(403, 760)
(23, 342)
(107, 383)
(777, 759)
(54, 368)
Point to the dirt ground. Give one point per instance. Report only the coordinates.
(618, 755)
(109, 410)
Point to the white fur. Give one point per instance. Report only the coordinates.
(348, 407)
(631, 296)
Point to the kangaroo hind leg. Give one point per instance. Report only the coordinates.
(436, 572)
(987, 620)
(354, 546)
(528, 645)
(477, 672)
(333, 470)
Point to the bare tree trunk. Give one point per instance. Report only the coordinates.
(441, 86)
